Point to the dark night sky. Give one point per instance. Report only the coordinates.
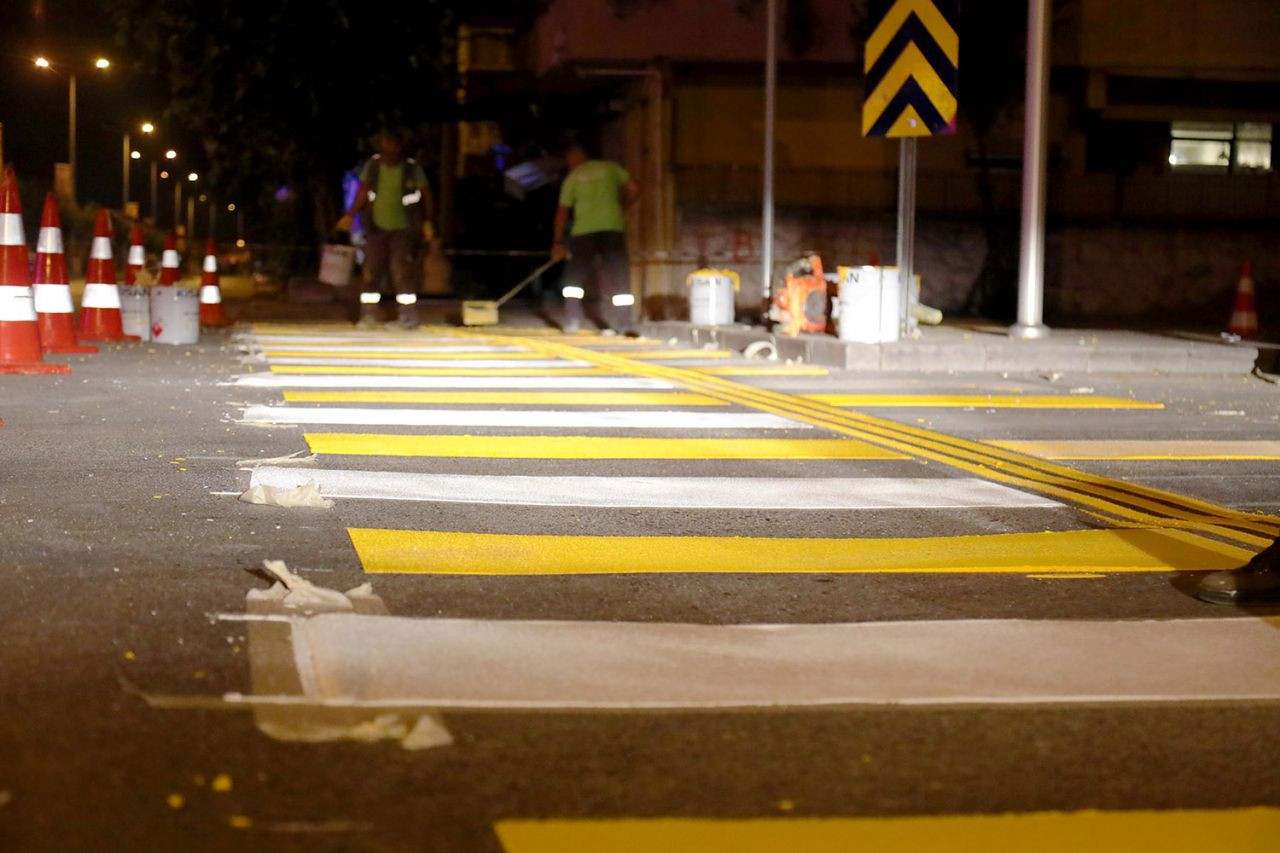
(33, 103)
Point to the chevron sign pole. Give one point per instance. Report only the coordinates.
(911, 64)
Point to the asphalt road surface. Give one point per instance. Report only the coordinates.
(624, 596)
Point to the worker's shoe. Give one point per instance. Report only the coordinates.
(369, 318)
(407, 316)
(1257, 583)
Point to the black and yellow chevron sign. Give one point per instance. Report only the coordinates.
(912, 65)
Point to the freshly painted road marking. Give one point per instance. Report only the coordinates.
(558, 381)
(363, 370)
(1117, 500)
(535, 419)
(320, 348)
(374, 339)
(674, 354)
(859, 493)
(415, 353)
(1141, 450)
(590, 447)
(764, 370)
(448, 552)
(1251, 830)
(981, 401)
(509, 398)
(441, 363)
(556, 665)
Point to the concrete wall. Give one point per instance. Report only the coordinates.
(1208, 39)
(1094, 273)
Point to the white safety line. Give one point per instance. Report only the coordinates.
(444, 364)
(376, 338)
(592, 383)
(768, 493)
(511, 664)
(532, 419)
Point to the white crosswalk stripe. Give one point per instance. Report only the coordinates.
(579, 383)
(763, 493)
(542, 419)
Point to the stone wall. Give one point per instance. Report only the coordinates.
(1093, 273)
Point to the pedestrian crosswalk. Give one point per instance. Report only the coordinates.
(409, 410)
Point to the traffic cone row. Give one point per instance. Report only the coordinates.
(19, 328)
(37, 313)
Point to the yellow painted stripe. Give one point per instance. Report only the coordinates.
(510, 398)
(677, 354)
(896, 15)
(980, 401)
(590, 447)
(1085, 449)
(443, 552)
(1252, 830)
(432, 356)
(436, 371)
(774, 370)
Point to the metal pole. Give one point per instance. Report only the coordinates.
(177, 203)
(191, 218)
(124, 178)
(770, 114)
(155, 203)
(71, 135)
(1030, 323)
(906, 230)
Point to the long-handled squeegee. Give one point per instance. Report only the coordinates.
(482, 312)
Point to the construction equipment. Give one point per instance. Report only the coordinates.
(801, 304)
(481, 312)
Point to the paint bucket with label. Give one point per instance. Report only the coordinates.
(175, 315)
(868, 305)
(135, 311)
(337, 262)
(711, 297)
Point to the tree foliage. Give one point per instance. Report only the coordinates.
(280, 91)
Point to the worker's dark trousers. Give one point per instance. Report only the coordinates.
(391, 254)
(598, 267)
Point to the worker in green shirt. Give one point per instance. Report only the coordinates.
(394, 193)
(595, 194)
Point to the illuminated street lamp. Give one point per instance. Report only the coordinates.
(129, 153)
(43, 63)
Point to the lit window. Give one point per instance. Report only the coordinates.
(1204, 146)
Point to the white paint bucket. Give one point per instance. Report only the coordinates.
(868, 305)
(337, 262)
(135, 311)
(711, 297)
(175, 315)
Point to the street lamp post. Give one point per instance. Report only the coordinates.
(101, 64)
(127, 155)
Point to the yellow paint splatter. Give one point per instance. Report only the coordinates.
(129, 655)
(786, 805)
(221, 783)
(239, 821)
(176, 801)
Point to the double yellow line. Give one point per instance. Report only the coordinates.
(1114, 501)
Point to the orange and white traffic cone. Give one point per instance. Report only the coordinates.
(169, 263)
(210, 291)
(100, 318)
(55, 312)
(19, 330)
(1244, 317)
(137, 256)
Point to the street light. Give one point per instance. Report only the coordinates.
(43, 63)
(171, 154)
(130, 154)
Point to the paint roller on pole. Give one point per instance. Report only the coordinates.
(480, 312)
